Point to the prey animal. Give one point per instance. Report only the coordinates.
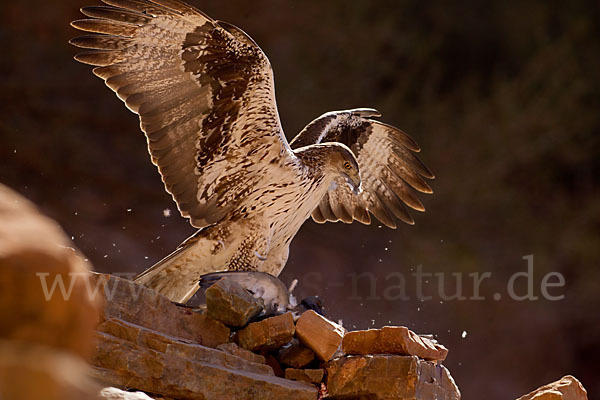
(204, 93)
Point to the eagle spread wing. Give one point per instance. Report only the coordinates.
(204, 92)
(389, 170)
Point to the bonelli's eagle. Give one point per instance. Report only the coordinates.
(204, 93)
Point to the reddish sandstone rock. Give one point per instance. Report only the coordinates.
(566, 388)
(268, 334)
(319, 334)
(234, 349)
(273, 363)
(389, 377)
(32, 371)
(392, 340)
(137, 357)
(35, 256)
(139, 305)
(305, 375)
(122, 346)
(189, 371)
(228, 302)
(47, 317)
(295, 355)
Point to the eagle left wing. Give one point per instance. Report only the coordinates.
(389, 170)
(204, 93)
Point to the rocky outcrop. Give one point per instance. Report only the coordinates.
(187, 356)
(137, 349)
(566, 388)
(51, 324)
(173, 368)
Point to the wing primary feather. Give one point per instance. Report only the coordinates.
(99, 58)
(399, 186)
(365, 112)
(172, 96)
(381, 212)
(116, 14)
(413, 161)
(394, 204)
(317, 216)
(181, 8)
(105, 26)
(397, 135)
(116, 79)
(361, 215)
(141, 6)
(340, 212)
(98, 42)
(326, 210)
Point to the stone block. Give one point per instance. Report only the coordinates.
(268, 334)
(230, 303)
(319, 334)
(389, 377)
(392, 340)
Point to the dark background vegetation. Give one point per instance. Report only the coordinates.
(503, 96)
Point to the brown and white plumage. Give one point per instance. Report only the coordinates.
(390, 172)
(204, 93)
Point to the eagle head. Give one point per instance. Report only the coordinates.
(343, 162)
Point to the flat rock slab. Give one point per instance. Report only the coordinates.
(389, 377)
(230, 303)
(314, 376)
(392, 340)
(119, 343)
(296, 355)
(139, 305)
(319, 334)
(566, 388)
(155, 363)
(268, 334)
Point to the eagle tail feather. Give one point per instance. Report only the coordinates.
(173, 276)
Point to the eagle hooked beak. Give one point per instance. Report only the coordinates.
(355, 185)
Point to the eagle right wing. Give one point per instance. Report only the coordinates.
(389, 170)
(204, 92)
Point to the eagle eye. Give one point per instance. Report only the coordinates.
(347, 165)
